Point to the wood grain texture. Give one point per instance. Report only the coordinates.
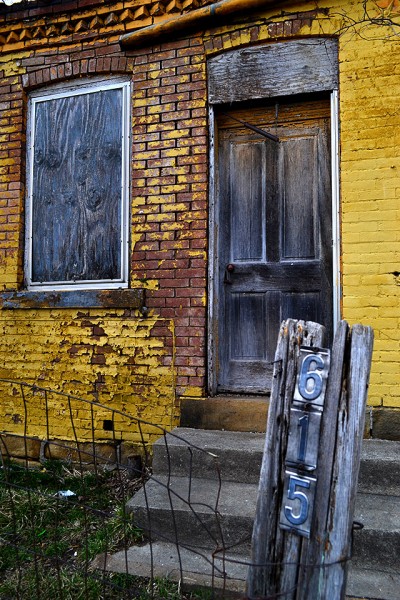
(76, 190)
(313, 551)
(288, 546)
(271, 204)
(275, 69)
(133, 298)
(350, 427)
(273, 549)
(285, 563)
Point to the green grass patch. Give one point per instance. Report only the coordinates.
(47, 541)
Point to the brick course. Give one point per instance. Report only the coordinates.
(169, 191)
(169, 186)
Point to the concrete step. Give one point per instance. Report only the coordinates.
(192, 568)
(212, 488)
(380, 467)
(205, 513)
(210, 515)
(226, 413)
(377, 545)
(237, 456)
(372, 584)
(233, 456)
(226, 574)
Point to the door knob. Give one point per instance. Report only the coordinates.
(228, 270)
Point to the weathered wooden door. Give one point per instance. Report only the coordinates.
(274, 235)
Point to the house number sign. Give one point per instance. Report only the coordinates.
(303, 440)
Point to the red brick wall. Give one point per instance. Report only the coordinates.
(169, 171)
(11, 185)
(170, 194)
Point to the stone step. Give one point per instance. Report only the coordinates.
(197, 512)
(231, 455)
(377, 545)
(237, 456)
(227, 574)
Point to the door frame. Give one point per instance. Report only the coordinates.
(213, 297)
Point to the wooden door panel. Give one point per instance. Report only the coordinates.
(274, 235)
(247, 199)
(248, 356)
(247, 326)
(307, 305)
(299, 192)
(293, 277)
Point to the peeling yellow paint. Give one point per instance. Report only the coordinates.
(192, 392)
(11, 63)
(112, 360)
(129, 364)
(10, 273)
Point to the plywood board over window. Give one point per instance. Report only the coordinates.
(77, 204)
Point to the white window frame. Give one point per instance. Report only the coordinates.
(68, 90)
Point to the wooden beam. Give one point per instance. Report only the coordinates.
(275, 553)
(205, 16)
(292, 557)
(274, 69)
(118, 298)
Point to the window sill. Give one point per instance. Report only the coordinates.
(123, 298)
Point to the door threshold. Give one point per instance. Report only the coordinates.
(226, 412)
(240, 397)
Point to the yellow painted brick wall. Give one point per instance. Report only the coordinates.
(137, 364)
(370, 188)
(112, 360)
(369, 88)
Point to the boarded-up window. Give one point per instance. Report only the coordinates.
(77, 187)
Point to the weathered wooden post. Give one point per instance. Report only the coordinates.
(303, 526)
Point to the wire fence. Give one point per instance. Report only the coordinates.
(96, 504)
(67, 531)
